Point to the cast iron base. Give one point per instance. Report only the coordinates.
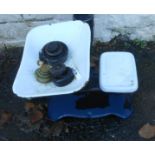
(66, 106)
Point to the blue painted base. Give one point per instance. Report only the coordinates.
(65, 106)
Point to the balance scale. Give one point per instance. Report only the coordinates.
(118, 81)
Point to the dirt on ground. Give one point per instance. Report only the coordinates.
(22, 119)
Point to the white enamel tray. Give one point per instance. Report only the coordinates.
(76, 35)
(118, 72)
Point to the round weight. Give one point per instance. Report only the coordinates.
(57, 59)
(57, 70)
(53, 48)
(43, 77)
(65, 78)
(54, 52)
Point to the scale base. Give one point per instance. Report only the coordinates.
(66, 106)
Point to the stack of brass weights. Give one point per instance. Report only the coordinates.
(42, 74)
(50, 55)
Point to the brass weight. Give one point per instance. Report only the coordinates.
(42, 74)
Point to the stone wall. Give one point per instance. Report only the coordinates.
(14, 27)
(135, 26)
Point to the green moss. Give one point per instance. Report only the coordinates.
(140, 43)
